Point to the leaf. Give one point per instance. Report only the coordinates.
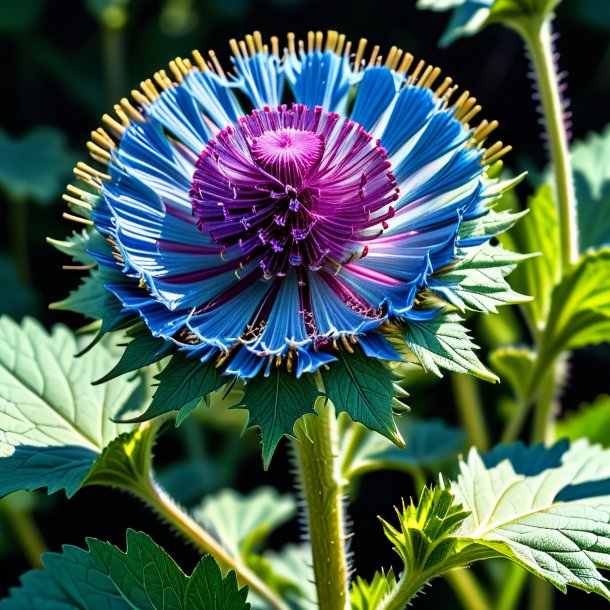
(77, 245)
(53, 423)
(545, 509)
(445, 342)
(143, 349)
(36, 166)
(591, 167)
(538, 232)
(590, 421)
(364, 388)
(515, 365)
(580, 309)
(182, 385)
(106, 578)
(477, 281)
(428, 443)
(243, 523)
(275, 403)
(368, 596)
(489, 225)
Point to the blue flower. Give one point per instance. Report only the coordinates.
(279, 215)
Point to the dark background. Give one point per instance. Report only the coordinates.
(63, 66)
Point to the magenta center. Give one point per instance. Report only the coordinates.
(292, 187)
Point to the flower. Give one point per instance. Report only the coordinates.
(279, 216)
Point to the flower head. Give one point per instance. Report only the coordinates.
(277, 216)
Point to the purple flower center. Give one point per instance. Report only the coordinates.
(292, 187)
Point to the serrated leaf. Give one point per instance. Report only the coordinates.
(242, 523)
(489, 225)
(76, 246)
(477, 282)
(538, 232)
(182, 385)
(53, 423)
(36, 166)
(580, 308)
(590, 421)
(591, 167)
(515, 365)
(368, 596)
(444, 342)
(365, 389)
(106, 578)
(275, 403)
(428, 444)
(143, 350)
(546, 509)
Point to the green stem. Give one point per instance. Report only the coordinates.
(541, 594)
(28, 535)
(163, 505)
(512, 588)
(468, 589)
(542, 426)
(18, 223)
(537, 34)
(470, 410)
(357, 434)
(323, 487)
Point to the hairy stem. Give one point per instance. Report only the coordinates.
(468, 589)
(537, 34)
(162, 504)
(470, 410)
(318, 471)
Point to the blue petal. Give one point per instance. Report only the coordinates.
(319, 79)
(260, 78)
(376, 345)
(245, 364)
(375, 94)
(309, 360)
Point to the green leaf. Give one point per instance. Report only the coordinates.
(106, 578)
(515, 365)
(429, 444)
(77, 244)
(243, 523)
(538, 232)
(54, 424)
(591, 167)
(477, 281)
(544, 508)
(275, 403)
(489, 225)
(368, 596)
(36, 166)
(444, 342)
(590, 421)
(365, 389)
(182, 385)
(143, 349)
(580, 308)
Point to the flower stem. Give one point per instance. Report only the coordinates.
(537, 35)
(468, 589)
(318, 470)
(542, 426)
(28, 535)
(512, 588)
(470, 410)
(162, 504)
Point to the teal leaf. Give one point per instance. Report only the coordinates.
(275, 403)
(54, 424)
(182, 385)
(538, 233)
(243, 523)
(444, 342)
(591, 167)
(369, 595)
(106, 578)
(429, 444)
(590, 421)
(77, 244)
(580, 308)
(365, 389)
(36, 166)
(143, 349)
